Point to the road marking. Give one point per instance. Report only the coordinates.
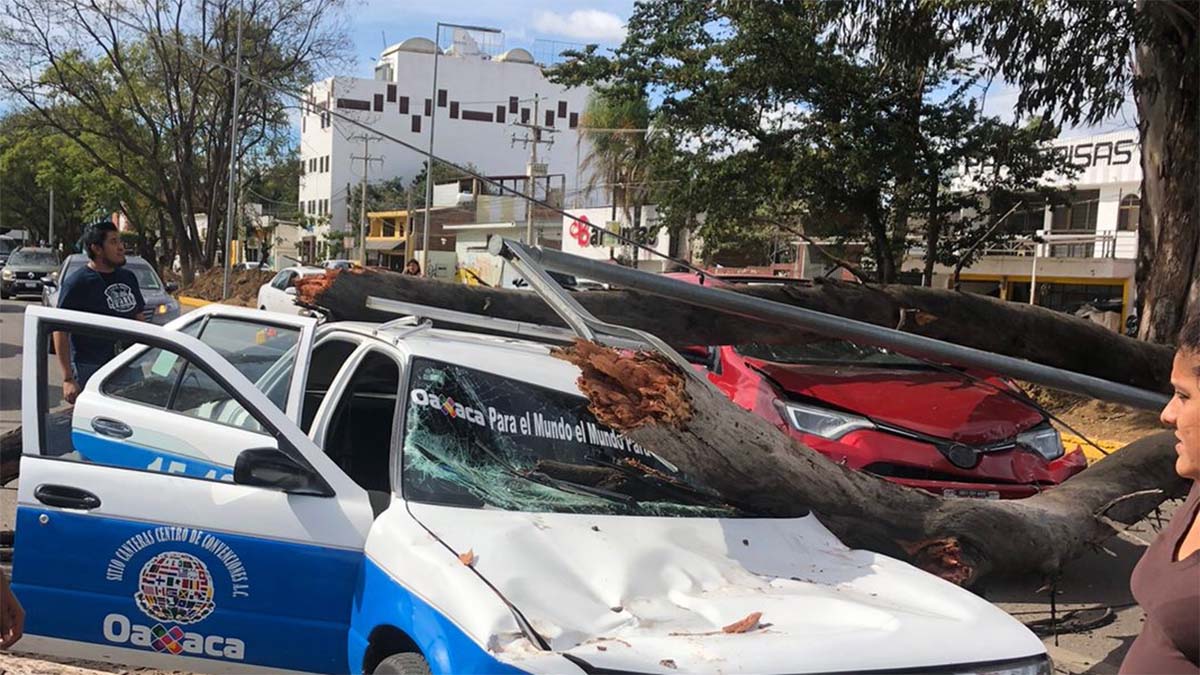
(193, 302)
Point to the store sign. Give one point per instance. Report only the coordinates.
(1083, 155)
(1104, 153)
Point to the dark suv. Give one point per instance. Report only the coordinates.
(23, 272)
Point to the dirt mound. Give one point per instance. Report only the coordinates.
(243, 285)
(1098, 420)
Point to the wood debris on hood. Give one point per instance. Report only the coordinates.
(747, 624)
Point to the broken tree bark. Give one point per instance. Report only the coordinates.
(1023, 331)
(755, 467)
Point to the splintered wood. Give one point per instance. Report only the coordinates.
(627, 389)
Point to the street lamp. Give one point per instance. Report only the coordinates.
(437, 38)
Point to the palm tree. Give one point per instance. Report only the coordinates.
(618, 150)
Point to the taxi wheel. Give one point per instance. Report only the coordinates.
(405, 663)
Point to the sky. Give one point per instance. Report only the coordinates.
(375, 24)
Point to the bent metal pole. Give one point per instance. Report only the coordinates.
(834, 326)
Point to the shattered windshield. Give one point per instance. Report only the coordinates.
(479, 440)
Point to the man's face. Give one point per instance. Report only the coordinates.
(1183, 413)
(112, 251)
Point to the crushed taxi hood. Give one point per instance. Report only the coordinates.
(652, 594)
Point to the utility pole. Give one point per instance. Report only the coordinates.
(531, 139)
(233, 152)
(50, 222)
(408, 228)
(366, 158)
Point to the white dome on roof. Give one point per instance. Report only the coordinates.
(413, 44)
(516, 55)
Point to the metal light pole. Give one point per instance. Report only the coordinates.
(437, 50)
(233, 144)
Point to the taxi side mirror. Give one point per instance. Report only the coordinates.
(271, 468)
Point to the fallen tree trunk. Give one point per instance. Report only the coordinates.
(758, 469)
(1023, 331)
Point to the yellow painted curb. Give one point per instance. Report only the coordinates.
(193, 302)
(1090, 451)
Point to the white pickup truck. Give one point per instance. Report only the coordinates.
(247, 491)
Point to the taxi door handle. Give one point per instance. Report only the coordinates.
(66, 497)
(112, 428)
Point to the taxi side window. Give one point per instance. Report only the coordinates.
(164, 413)
(263, 354)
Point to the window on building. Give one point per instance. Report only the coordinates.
(391, 93)
(325, 206)
(549, 118)
(442, 98)
(416, 124)
(378, 101)
(454, 110)
(389, 227)
(403, 105)
(500, 114)
(312, 164)
(1076, 211)
(1028, 217)
(562, 108)
(428, 107)
(513, 102)
(1130, 213)
(383, 72)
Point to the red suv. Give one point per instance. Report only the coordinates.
(950, 431)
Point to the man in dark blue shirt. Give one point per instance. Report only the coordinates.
(102, 287)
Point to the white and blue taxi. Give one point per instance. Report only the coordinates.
(245, 491)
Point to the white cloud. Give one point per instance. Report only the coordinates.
(589, 25)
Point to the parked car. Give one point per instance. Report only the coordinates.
(340, 264)
(950, 431)
(279, 294)
(258, 492)
(160, 308)
(7, 246)
(253, 265)
(23, 273)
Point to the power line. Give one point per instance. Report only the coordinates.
(302, 97)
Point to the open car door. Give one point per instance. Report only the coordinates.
(176, 517)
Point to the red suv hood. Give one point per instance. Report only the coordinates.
(930, 402)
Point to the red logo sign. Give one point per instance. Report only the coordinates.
(582, 231)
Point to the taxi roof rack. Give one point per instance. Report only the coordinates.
(414, 313)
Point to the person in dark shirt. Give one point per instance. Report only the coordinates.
(1166, 581)
(101, 287)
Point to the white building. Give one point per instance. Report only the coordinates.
(1079, 252)
(479, 98)
(581, 240)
